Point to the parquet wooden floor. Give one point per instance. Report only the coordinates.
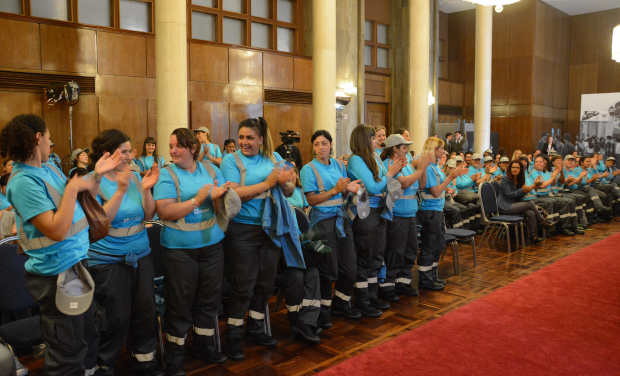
(348, 338)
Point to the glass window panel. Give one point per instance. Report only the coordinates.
(382, 34)
(135, 15)
(261, 8)
(95, 12)
(54, 9)
(286, 39)
(234, 31)
(368, 31)
(368, 55)
(382, 57)
(11, 6)
(206, 3)
(285, 11)
(237, 6)
(261, 35)
(204, 26)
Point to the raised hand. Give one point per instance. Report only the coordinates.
(203, 193)
(395, 168)
(606, 174)
(273, 177)
(217, 192)
(341, 185)
(150, 179)
(108, 162)
(79, 184)
(353, 186)
(583, 173)
(459, 171)
(285, 176)
(538, 181)
(123, 179)
(426, 160)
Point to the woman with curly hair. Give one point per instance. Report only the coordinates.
(53, 232)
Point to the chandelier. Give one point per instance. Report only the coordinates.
(615, 44)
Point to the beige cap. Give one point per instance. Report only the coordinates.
(458, 158)
(475, 156)
(504, 159)
(489, 151)
(487, 159)
(451, 163)
(611, 159)
(74, 290)
(396, 139)
(77, 152)
(569, 156)
(202, 129)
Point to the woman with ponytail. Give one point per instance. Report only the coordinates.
(369, 233)
(251, 257)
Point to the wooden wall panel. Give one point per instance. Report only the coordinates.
(277, 71)
(20, 44)
(538, 80)
(306, 131)
(16, 103)
(550, 32)
(150, 57)
(444, 92)
(379, 10)
(285, 117)
(151, 124)
(68, 49)
(560, 85)
(522, 28)
(443, 25)
(585, 34)
(245, 67)
(216, 70)
(128, 114)
(456, 46)
(121, 54)
(540, 30)
(213, 115)
(456, 94)
(240, 112)
(122, 86)
(548, 82)
(500, 81)
(520, 91)
(302, 72)
(589, 79)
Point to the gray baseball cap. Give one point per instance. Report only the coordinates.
(77, 152)
(568, 156)
(504, 159)
(227, 208)
(475, 156)
(458, 158)
(611, 159)
(74, 290)
(451, 163)
(202, 129)
(488, 159)
(396, 139)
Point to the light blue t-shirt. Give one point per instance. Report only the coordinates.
(130, 213)
(379, 151)
(330, 176)
(464, 182)
(258, 168)
(574, 174)
(532, 194)
(4, 202)
(600, 167)
(409, 207)
(29, 196)
(190, 184)
(358, 170)
(474, 170)
(544, 176)
(145, 163)
(579, 170)
(212, 150)
(433, 179)
(298, 198)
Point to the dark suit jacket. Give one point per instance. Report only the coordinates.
(457, 147)
(508, 193)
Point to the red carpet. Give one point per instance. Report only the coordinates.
(561, 320)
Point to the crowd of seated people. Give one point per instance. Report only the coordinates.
(230, 231)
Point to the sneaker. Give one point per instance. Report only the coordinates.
(214, 357)
(38, 351)
(304, 331)
(389, 296)
(406, 290)
(20, 370)
(378, 303)
(234, 350)
(153, 370)
(348, 312)
(368, 311)
(261, 338)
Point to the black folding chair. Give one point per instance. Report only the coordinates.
(15, 297)
(498, 223)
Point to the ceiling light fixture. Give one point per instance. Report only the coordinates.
(615, 44)
(492, 2)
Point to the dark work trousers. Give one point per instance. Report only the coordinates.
(581, 205)
(71, 341)
(339, 265)
(433, 243)
(613, 195)
(369, 239)
(193, 294)
(124, 299)
(599, 199)
(529, 209)
(471, 201)
(302, 293)
(549, 206)
(566, 209)
(587, 202)
(401, 251)
(454, 213)
(250, 268)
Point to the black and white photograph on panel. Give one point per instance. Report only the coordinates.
(599, 130)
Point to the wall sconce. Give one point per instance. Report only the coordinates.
(349, 89)
(342, 100)
(431, 99)
(615, 44)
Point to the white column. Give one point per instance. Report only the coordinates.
(484, 55)
(419, 57)
(171, 69)
(324, 66)
(361, 64)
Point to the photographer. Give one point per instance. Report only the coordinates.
(289, 151)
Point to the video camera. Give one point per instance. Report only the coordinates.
(290, 137)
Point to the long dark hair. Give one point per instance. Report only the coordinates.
(389, 152)
(519, 179)
(324, 133)
(19, 137)
(262, 129)
(362, 147)
(106, 141)
(150, 140)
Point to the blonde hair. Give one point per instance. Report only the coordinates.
(262, 129)
(430, 145)
(379, 128)
(362, 147)
(514, 155)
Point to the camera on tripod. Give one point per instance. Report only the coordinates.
(290, 137)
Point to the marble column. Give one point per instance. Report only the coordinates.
(419, 61)
(171, 69)
(361, 65)
(324, 67)
(484, 55)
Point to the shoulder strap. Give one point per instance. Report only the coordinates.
(319, 180)
(210, 170)
(242, 169)
(175, 180)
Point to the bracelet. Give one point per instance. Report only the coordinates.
(194, 202)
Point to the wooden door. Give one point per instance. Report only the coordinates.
(377, 114)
